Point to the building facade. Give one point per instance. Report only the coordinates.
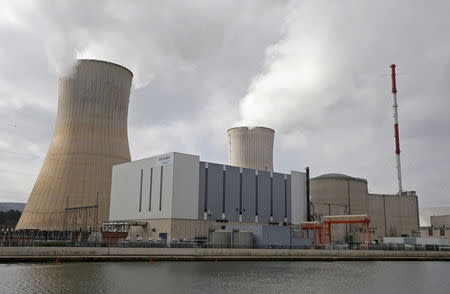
(180, 196)
(391, 215)
(440, 221)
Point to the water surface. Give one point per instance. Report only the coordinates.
(227, 277)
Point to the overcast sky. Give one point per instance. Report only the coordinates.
(317, 72)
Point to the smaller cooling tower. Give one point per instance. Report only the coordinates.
(251, 147)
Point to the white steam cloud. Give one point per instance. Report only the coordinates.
(140, 37)
(304, 74)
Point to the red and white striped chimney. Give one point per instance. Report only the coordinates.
(396, 130)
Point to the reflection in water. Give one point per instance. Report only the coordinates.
(227, 277)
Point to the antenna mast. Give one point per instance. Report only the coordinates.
(396, 130)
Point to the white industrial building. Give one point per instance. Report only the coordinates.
(177, 196)
(180, 186)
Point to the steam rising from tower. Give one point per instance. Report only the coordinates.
(251, 147)
(72, 190)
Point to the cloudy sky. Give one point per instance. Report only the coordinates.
(317, 72)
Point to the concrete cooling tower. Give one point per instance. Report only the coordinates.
(251, 147)
(72, 191)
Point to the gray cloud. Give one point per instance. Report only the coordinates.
(325, 88)
(317, 72)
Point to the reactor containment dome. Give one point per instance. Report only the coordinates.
(251, 147)
(72, 190)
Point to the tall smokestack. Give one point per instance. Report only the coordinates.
(396, 129)
(73, 188)
(251, 147)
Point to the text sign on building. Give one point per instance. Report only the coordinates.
(165, 159)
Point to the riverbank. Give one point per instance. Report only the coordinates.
(34, 254)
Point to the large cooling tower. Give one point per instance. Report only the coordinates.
(73, 188)
(251, 147)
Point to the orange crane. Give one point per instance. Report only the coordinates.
(322, 229)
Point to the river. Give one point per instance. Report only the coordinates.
(227, 277)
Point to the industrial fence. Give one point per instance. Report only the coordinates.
(36, 238)
(65, 243)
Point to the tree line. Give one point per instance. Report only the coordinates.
(9, 218)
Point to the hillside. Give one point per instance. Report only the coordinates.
(5, 206)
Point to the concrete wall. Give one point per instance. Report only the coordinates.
(254, 195)
(435, 232)
(164, 186)
(426, 241)
(440, 221)
(393, 215)
(232, 178)
(248, 195)
(426, 213)
(264, 196)
(416, 240)
(92, 253)
(377, 209)
(267, 235)
(344, 194)
(394, 240)
(178, 229)
(338, 195)
(132, 198)
(189, 229)
(298, 199)
(278, 197)
(185, 186)
(273, 236)
(153, 230)
(183, 228)
(211, 191)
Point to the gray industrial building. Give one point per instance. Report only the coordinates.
(391, 215)
(440, 221)
(246, 195)
(176, 196)
(439, 225)
(273, 236)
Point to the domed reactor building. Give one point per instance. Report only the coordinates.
(72, 191)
